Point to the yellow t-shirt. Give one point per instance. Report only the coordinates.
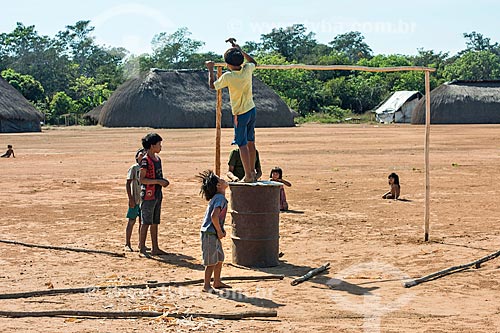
(240, 88)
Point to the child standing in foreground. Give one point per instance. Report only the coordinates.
(239, 82)
(134, 197)
(152, 181)
(277, 176)
(212, 230)
(395, 188)
(9, 152)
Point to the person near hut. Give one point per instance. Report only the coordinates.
(277, 176)
(9, 152)
(133, 187)
(236, 171)
(395, 190)
(239, 82)
(213, 189)
(152, 181)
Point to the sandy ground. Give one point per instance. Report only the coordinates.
(67, 188)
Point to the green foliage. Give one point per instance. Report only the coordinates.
(474, 65)
(175, 50)
(298, 87)
(352, 45)
(293, 42)
(71, 73)
(59, 105)
(25, 84)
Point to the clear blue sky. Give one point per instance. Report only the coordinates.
(388, 26)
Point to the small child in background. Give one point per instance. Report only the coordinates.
(212, 230)
(9, 152)
(395, 188)
(133, 187)
(277, 176)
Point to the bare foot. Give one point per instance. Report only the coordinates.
(158, 252)
(209, 290)
(222, 285)
(145, 248)
(247, 180)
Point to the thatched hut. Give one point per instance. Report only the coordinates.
(92, 117)
(182, 99)
(16, 113)
(462, 102)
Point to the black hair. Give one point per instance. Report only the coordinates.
(278, 170)
(140, 150)
(209, 181)
(395, 177)
(150, 139)
(9, 146)
(233, 56)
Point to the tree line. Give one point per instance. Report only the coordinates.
(71, 74)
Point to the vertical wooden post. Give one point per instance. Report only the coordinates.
(427, 135)
(218, 119)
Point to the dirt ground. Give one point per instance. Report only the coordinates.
(66, 187)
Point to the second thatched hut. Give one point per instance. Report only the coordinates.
(182, 99)
(462, 102)
(16, 112)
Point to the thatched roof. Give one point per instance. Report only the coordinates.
(182, 99)
(462, 102)
(13, 105)
(93, 115)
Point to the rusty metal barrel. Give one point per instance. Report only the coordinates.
(255, 223)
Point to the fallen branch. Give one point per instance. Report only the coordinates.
(135, 314)
(63, 248)
(451, 270)
(310, 274)
(49, 292)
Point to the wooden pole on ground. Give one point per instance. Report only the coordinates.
(451, 270)
(218, 120)
(63, 248)
(136, 314)
(48, 292)
(427, 137)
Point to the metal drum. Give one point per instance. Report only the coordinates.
(255, 223)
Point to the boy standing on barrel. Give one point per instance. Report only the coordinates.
(239, 82)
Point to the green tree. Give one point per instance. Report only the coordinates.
(477, 42)
(352, 44)
(25, 84)
(172, 51)
(25, 51)
(292, 42)
(87, 94)
(474, 65)
(59, 105)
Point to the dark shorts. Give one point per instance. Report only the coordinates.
(245, 131)
(151, 211)
(132, 213)
(211, 249)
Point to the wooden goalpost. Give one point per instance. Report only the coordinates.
(426, 70)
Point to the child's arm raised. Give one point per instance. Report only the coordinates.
(211, 78)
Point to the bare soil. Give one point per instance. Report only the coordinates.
(66, 187)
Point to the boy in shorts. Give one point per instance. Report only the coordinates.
(239, 82)
(152, 181)
(133, 187)
(212, 230)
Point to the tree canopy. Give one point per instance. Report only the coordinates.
(71, 73)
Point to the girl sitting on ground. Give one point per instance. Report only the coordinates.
(277, 176)
(395, 188)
